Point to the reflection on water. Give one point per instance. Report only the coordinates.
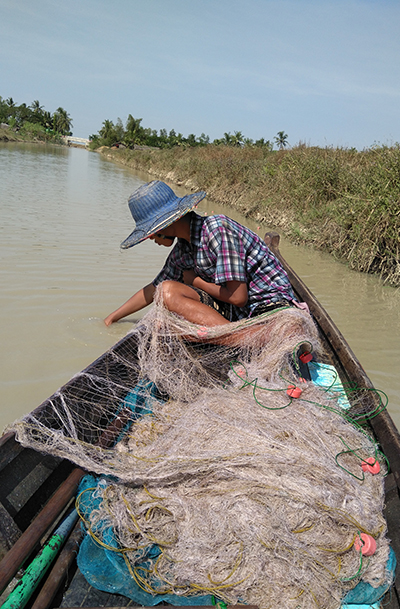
(63, 215)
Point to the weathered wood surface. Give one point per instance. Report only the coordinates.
(20, 551)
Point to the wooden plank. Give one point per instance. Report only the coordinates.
(22, 492)
(9, 449)
(9, 532)
(81, 594)
(41, 496)
(29, 474)
(6, 437)
(28, 540)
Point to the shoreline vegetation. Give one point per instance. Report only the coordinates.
(342, 201)
(28, 136)
(339, 200)
(22, 123)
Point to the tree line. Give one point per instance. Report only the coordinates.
(37, 121)
(34, 118)
(134, 134)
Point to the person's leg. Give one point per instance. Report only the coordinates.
(185, 301)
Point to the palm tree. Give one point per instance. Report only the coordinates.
(47, 120)
(37, 111)
(227, 139)
(281, 139)
(62, 122)
(106, 129)
(134, 131)
(36, 107)
(237, 138)
(9, 110)
(204, 139)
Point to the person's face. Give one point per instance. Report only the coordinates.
(162, 238)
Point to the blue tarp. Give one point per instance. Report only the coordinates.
(107, 570)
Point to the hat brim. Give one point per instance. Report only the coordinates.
(186, 204)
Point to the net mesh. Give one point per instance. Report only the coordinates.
(249, 493)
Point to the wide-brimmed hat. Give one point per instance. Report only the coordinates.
(155, 206)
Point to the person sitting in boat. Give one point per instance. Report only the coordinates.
(218, 271)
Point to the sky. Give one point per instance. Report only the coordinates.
(326, 72)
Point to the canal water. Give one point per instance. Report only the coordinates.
(63, 215)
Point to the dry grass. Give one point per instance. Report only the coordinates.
(343, 201)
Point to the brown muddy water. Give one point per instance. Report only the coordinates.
(63, 215)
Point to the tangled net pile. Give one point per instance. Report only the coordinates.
(250, 494)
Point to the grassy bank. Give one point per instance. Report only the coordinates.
(342, 201)
(29, 133)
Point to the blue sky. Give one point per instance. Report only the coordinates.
(327, 72)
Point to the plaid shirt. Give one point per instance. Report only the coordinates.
(222, 250)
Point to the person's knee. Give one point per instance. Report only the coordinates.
(174, 292)
(170, 292)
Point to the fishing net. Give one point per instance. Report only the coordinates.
(246, 491)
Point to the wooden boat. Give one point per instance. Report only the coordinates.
(36, 491)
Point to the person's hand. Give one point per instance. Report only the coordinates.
(189, 276)
(302, 305)
(109, 320)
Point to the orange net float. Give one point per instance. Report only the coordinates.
(371, 465)
(293, 391)
(365, 543)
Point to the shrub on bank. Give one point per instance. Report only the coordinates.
(340, 200)
(30, 132)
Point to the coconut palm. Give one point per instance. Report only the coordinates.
(227, 139)
(62, 122)
(37, 112)
(237, 138)
(47, 120)
(281, 139)
(36, 107)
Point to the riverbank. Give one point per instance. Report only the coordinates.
(9, 135)
(28, 136)
(342, 201)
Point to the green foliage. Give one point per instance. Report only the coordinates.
(281, 139)
(134, 134)
(23, 118)
(34, 129)
(62, 122)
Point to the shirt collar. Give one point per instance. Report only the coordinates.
(196, 224)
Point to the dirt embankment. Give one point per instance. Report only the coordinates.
(9, 135)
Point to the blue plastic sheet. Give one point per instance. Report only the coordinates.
(326, 377)
(107, 570)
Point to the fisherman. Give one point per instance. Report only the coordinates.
(218, 271)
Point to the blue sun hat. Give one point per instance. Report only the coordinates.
(155, 206)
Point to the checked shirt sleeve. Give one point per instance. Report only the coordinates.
(229, 255)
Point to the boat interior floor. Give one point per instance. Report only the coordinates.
(81, 594)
